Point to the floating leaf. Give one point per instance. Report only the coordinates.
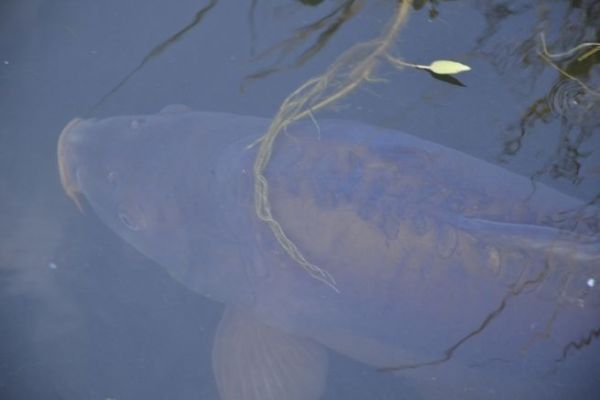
(446, 67)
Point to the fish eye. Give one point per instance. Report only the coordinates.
(128, 222)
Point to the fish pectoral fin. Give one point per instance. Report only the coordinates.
(253, 361)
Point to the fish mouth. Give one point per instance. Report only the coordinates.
(68, 174)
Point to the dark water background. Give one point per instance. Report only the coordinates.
(83, 315)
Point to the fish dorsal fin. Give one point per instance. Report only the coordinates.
(253, 361)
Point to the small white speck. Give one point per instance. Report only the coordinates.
(591, 282)
(52, 265)
(6, 62)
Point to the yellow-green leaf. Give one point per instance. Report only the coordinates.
(446, 67)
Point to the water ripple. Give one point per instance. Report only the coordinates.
(573, 102)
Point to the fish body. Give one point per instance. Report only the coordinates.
(456, 273)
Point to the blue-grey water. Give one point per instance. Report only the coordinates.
(85, 316)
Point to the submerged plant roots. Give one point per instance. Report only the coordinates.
(350, 70)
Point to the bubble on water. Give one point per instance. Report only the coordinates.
(591, 282)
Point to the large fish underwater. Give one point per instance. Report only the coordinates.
(463, 278)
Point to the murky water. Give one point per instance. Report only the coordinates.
(84, 316)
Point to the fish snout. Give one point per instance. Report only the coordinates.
(67, 163)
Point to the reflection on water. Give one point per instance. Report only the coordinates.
(84, 316)
(157, 50)
(571, 100)
(323, 28)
